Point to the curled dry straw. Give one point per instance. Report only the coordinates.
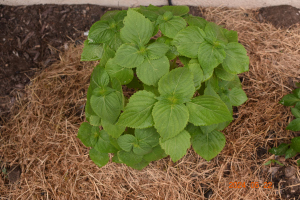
(41, 137)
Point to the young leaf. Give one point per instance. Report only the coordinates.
(289, 100)
(196, 21)
(295, 112)
(231, 36)
(137, 29)
(156, 50)
(147, 135)
(206, 110)
(223, 74)
(103, 144)
(152, 89)
(137, 113)
(100, 32)
(84, 134)
(177, 146)
(108, 107)
(294, 125)
(150, 71)
(169, 119)
(280, 150)
(115, 41)
(100, 159)
(188, 41)
(171, 27)
(296, 144)
(91, 52)
(156, 154)
(126, 142)
(290, 153)
(128, 56)
(113, 130)
(129, 158)
(236, 60)
(95, 133)
(208, 144)
(178, 81)
(209, 56)
(125, 75)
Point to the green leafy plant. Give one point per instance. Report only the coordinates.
(174, 105)
(291, 150)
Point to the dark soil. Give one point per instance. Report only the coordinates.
(283, 16)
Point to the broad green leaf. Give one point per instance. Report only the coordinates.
(113, 130)
(214, 31)
(176, 146)
(171, 27)
(236, 60)
(296, 112)
(156, 154)
(176, 10)
(100, 32)
(228, 85)
(208, 144)
(209, 90)
(296, 144)
(237, 96)
(115, 41)
(93, 119)
(135, 84)
(84, 134)
(178, 81)
(100, 159)
(152, 89)
(141, 165)
(147, 135)
(116, 159)
(137, 113)
(296, 92)
(114, 142)
(188, 41)
(156, 50)
(137, 29)
(89, 113)
(231, 36)
(95, 133)
(99, 77)
(207, 74)
(142, 148)
(289, 100)
(206, 110)
(209, 56)
(109, 15)
(196, 21)
(185, 60)
(126, 142)
(91, 52)
(280, 150)
(108, 107)
(129, 158)
(290, 153)
(107, 54)
(223, 74)
(197, 73)
(103, 144)
(125, 75)
(169, 119)
(151, 12)
(150, 71)
(128, 56)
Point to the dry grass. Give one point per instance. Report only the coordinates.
(41, 137)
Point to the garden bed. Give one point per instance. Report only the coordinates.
(44, 159)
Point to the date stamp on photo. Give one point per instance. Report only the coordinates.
(237, 185)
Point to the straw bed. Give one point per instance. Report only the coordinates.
(41, 137)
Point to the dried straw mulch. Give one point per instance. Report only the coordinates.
(41, 137)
